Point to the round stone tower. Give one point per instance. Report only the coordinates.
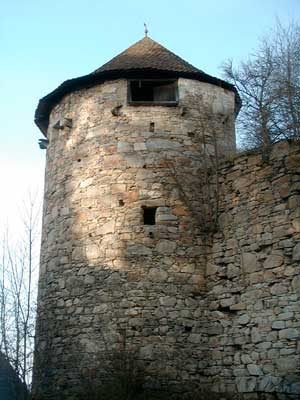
(132, 154)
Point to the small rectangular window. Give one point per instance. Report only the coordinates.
(149, 214)
(153, 92)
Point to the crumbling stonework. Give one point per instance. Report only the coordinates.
(209, 294)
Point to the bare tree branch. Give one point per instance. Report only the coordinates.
(269, 85)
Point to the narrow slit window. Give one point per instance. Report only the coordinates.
(153, 92)
(149, 214)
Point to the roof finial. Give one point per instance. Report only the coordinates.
(146, 29)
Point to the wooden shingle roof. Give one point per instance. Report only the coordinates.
(148, 54)
(144, 59)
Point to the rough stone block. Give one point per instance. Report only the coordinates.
(249, 262)
(243, 319)
(273, 261)
(296, 252)
(289, 333)
(278, 289)
(296, 284)
(168, 301)
(139, 249)
(287, 364)
(246, 385)
(165, 246)
(139, 146)
(108, 227)
(269, 384)
(278, 325)
(254, 369)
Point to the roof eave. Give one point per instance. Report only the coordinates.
(47, 103)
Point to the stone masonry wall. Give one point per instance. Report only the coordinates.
(105, 276)
(209, 295)
(253, 277)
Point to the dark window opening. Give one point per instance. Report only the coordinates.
(153, 92)
(151, 127)
(149, 215)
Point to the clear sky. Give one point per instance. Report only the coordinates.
(43, 43)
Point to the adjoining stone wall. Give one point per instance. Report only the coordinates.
(103, 272)
(253, 277)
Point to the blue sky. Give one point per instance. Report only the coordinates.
(43, 43)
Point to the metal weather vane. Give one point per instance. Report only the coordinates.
(146, 29)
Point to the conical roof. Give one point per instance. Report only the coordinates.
(144, 59)
(148, 54)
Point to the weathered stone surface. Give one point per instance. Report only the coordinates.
(146, 352)
(287, 364)
(168, 301)
(108, 227)
(296, 252)
(269, 384)
(246, 385)
(278, 325)
(256, 335)
(165, 247)
(139, 146)
(157, 275)
(166, 217)
(210, 292)
(243, 319)
(290, 333)
(92, 251)
(254, 369)
(249, 262)
(278, 289)
(273, 261)
(139, 249)
(246, 359)
(296, 284)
